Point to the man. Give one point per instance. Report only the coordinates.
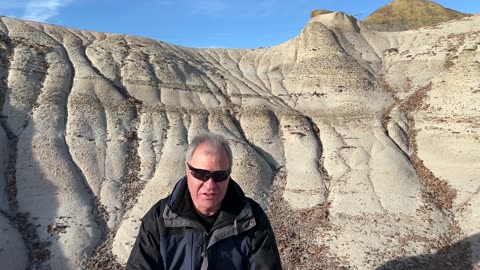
(206, 222)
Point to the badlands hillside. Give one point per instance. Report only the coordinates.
(402, 15)
(363, 146)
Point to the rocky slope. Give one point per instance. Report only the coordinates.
(401, 15)
(362, 145)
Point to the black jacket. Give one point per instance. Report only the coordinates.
(170, 236)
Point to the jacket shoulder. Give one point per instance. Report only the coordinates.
(254, 205)
(156, 211)
(258, 212)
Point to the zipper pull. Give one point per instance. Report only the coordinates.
(204, 248)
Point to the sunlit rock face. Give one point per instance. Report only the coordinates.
(362, 146)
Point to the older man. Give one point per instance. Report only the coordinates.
(206, 222)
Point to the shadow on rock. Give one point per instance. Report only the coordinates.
(462, 255)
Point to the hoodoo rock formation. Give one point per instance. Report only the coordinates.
(363, 146)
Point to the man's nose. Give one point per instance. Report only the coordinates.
(210, 182)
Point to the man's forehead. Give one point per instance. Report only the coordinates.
(208, 149)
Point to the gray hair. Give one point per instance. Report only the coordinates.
(214, 141)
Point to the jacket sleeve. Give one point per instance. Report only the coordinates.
(265, 251)
(146, 250)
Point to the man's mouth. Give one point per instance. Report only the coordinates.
(210, 195)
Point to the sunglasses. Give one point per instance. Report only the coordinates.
(204, 175)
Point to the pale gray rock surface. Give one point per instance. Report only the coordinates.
(13, 253)
(3, 170)
(367, 140)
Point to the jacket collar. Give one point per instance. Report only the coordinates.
(180, 205)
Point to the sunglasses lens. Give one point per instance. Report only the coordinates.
(203, 175)
(220, 177)
(200, 175)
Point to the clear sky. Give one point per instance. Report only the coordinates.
(198, 23)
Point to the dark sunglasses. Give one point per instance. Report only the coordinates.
(204, 175)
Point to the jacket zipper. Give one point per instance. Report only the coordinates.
(205, 245)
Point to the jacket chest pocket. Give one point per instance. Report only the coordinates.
(231, 253)
(183, 251)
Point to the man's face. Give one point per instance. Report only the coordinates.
(207, 196)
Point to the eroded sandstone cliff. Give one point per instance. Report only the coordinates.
(362, 145)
